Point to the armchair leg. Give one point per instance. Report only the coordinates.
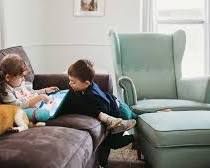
(140, 154)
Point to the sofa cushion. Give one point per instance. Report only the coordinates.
(93, 126)
(173, 129)
(62, 81)
(153, 105)
(53, 147)
(19, 50)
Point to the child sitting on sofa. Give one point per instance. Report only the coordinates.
(87, 98)
(13, 88)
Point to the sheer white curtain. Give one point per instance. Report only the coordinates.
(207, 31)
(148, 12)
(193, 17)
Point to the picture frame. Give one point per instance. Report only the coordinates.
(89, 7)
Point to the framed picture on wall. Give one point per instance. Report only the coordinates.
(89, 7)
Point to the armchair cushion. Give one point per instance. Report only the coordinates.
(153, 105)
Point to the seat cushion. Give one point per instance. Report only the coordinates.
(54, 147)
(153, 105)
(95, 128)
(172, 129)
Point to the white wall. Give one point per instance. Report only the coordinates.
(1, 24)
(53, 37)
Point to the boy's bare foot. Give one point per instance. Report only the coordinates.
(166, 110)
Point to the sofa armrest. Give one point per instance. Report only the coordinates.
(62, 81)
(197, 89)
(129, 90)
(95, 128)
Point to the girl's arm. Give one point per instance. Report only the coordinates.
(24, 103)
(35, 99)
(47, 90)
(11, 99)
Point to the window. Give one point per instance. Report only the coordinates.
(189, 15)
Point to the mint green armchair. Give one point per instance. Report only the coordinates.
(148, 72)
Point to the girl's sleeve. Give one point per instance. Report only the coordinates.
(11, 99)
(40, 91)
(29, 87)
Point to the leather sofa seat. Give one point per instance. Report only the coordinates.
(95, 128)
(53, 147)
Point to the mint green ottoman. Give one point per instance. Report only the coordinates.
(178, 139)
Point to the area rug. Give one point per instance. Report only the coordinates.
(125, 157)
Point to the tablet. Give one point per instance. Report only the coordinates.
(56, 100)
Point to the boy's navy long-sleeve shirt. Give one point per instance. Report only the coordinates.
(92, 101)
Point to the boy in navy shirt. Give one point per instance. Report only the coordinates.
(87, 98)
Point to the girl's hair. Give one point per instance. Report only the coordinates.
(11, 64)
(83, 70)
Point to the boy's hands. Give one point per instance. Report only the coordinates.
(49, 90)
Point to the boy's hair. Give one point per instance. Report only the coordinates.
(83, 70)
(11, 64)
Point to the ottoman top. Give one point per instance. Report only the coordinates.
(176, 128)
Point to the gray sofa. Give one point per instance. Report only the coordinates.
(70, 141)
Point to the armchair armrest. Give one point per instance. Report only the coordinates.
(197, 89)
(129, 90)
(46, 80)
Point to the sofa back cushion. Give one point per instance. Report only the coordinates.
(19, 51)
